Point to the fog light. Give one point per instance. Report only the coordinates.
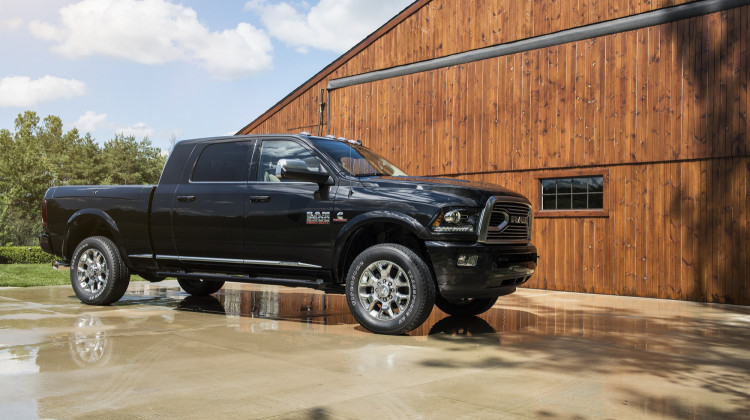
(467, 260)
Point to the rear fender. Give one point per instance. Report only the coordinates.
(91, 222)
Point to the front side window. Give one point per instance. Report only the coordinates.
(222, 162)
(274, 150)
(575, 193)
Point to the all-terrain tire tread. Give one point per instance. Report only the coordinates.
(119, 277)
(423, 276)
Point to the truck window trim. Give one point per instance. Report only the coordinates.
(258, 151)
(249, 145)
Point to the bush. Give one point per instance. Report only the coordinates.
(24, 255)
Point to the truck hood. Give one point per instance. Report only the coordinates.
(466, 192)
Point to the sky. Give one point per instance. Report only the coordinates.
(167, 68)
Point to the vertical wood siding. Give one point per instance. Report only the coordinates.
(445, 27)
(662, 109)
(676, 230)
(643, 96)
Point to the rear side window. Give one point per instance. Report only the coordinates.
(222, 162)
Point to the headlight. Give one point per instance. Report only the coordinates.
(456, 220)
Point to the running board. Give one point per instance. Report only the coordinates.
(319, 284)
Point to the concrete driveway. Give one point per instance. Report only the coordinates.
(265, 352)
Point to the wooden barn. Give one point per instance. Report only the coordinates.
(624, 121)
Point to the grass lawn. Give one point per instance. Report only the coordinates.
(29, 275)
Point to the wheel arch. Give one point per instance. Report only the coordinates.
(91, 222)
(374, 228)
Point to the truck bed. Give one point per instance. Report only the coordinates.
(124, 207)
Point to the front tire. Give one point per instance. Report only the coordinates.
(200, 287)
(389, 289)
(464, 307)
(98, 274)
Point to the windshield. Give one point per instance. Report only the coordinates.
(358, 160)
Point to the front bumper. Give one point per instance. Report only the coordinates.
(499, 268)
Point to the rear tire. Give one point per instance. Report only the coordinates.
(389, 289)
(464, 307)
(98, 274)
(200, 287)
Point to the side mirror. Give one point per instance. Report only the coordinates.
(298, 170)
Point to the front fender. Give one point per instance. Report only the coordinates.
(383, 216)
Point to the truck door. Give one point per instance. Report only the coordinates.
(287, 223)
(208, 209)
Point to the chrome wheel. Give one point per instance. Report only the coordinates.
(89, 343)
(98, 274)
(92, 271)
(384, 290)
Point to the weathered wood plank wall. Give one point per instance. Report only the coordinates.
(661, 110)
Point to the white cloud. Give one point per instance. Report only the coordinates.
(9, 25)
(21, 91)
(138, 130)
(90, 121)
(155, 32)
(43, 30)
(334, 25)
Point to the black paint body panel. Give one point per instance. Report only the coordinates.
(293, 230)
(498, 272)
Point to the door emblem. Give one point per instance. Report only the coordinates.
(318, 217)
(340, 217)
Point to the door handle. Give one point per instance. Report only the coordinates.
(260, 198)
(185, 198)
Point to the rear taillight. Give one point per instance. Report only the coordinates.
(44, 213)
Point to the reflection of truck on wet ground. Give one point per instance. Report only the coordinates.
(298, 210)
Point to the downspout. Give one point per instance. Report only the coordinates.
(328, 118)
(321, 105)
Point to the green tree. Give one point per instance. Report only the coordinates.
(24, 177)
(128, 161)
(70, 158)
(38, 155)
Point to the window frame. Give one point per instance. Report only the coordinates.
(257, 155)
(249, 145)
(573, 173)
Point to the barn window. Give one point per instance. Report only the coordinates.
(579, 193)
(573, 193)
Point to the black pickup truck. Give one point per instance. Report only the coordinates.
(297, 210)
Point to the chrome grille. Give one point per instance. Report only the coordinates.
(507, 221)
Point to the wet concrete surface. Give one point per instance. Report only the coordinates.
(271, 352)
